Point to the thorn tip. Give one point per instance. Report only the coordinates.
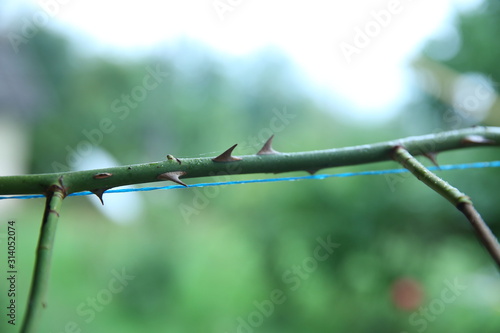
(173, 176)
(226, 156)
(432, 156)
(267, 149)
(99, 192)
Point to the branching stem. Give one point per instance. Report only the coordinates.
(267, 160)
(40, 282)
(90, 180)
(452, 194)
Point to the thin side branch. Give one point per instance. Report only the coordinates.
(484, 233)
(449, 192)
(97, 180)
(40, 281)
(461, 201)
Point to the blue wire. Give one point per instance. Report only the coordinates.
(477, 165)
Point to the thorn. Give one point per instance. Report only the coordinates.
(226, 156)
(99, 192)
(172, 176)
(477, 140)
(102, 175)
(433, 157)
(172, 157)
(267, 149)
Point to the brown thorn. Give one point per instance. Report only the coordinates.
(312, 172)
(432, 156)
(102, 175)
(172, 176)
(267, 149)
(226, 156)
(171, 158)
(99, 192)
(477, 140)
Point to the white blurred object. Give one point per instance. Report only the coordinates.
(473, 96)
(13, 147)
(13, 153)
(121, 208)
(310, 33)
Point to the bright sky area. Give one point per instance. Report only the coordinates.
(357, 50)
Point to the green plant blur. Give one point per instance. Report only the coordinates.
(216, 259)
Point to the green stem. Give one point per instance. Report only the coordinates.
(269, 163)
(41, 274)
(461, 201)
(484, 233)
(449, 192)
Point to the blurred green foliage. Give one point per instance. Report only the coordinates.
(217, 269)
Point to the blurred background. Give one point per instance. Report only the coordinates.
(87, 84)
